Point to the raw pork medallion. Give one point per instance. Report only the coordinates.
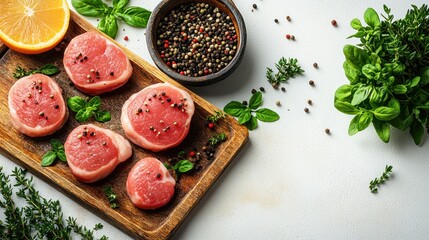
(36, 106)
(158, 117)
(149, 184)
(95, 64)
(93, 152)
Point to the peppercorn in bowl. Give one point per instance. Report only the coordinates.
(196, 42)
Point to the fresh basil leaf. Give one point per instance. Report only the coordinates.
(344, 93)
(385, 113)
(414, 82)
(135, 16)
(76, 103)
(370, 71)
(346, 107)
(417, 131)
(62, 155)
(252, 124)
(351, 72)
(184, 166)
(48, 158)
(83, 115)
(266, 115)
(95, 102)
(382, 128)
(109, 25)
(353, 125)
(49, 69)
(244, 116)
(364, 120)
(361, 95)
(102, 116)
(371, 17)
(234, 108)
(91, 8)
(425, 76)
(119, 5)
(256, 100)
(56, 144)
(356, 24)
(399, 89)
(356, 56)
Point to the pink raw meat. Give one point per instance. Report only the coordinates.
(149, 184)
(158, 117)
(36, 106)
(93, 152)
(95, 64)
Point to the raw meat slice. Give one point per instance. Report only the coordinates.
(93, 152)
(36, 106)
(158, 117)
(95, 64)
(149, 184)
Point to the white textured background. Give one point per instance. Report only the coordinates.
(292, 181)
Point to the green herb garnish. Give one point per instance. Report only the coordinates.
(48, 69)
(111, 197)
(133, 16)
(244, 113)
(36, 217)
(388, 74)
(57, 152)
(285, 69)
(85, 110)
(214, 118)
(182, 166)
(373, 185)
(217, 138)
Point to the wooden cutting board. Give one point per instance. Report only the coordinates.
(156, 224)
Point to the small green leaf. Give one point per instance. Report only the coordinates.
(109, 25)
(62, 155)
(361, 95)
(356, 24)
(252, 124)
(388, 113)
(103, 116)
(95, 102)
(344, 93)
(364, 120)
(56, 144)
(266, 115)
(417, 131)
(399, 89)
(346, 107)
(184, 166)
(83, 115)
(256, 100)
(119, 5)
(135, 16)
(48, 158)
(90, 8)
(371, 17)
(382, 129)
(234, 108)
(353, 129)
(244, 116)
(76, 103)
(49, 69)
(351, 72)
(356, 56)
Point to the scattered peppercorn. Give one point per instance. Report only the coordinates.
(306, 110)
(211, 125)
(288, 36)
(126, 38)
(253, 91)
(309, 102)
(334, 23)
(276, 20)
(112, 73)
(328, 131)
(278, 103)
(283, 89)
(288, 18)
(311, 82)
(192, 154)
(244, 103)
(292, 37)
(315, 65)
(262, 89)
(255, 6)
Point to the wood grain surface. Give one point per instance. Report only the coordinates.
(156, 224)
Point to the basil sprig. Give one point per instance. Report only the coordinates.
(133, 16)
(182, 166)
(56, 152)
(85, 110)
(244, 113)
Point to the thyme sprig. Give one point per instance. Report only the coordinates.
(39, 218)
(373, 185)
(111, 196)
(215, 117)
(286, 68)
(48, 69)
(217, 139)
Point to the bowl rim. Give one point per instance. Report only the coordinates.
(202, 80)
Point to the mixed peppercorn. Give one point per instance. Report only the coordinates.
(197, 39)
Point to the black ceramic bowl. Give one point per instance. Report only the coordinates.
(164, 8)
